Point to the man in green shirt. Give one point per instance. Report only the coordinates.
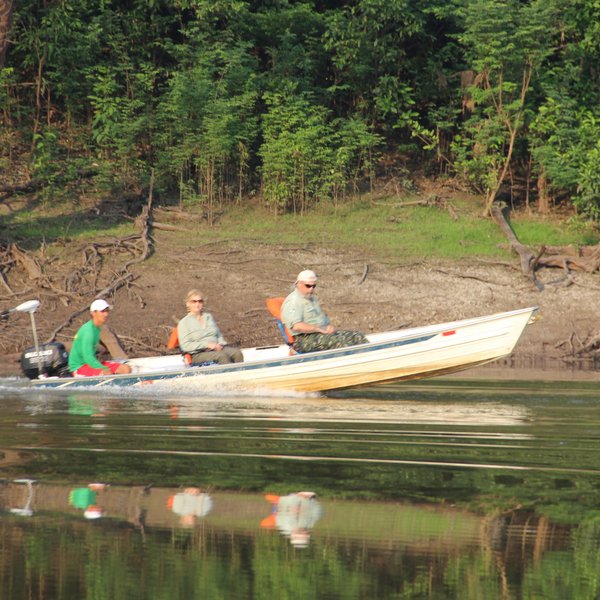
(82, 357)
(302, 314)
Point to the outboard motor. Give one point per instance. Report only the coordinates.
(53, 361)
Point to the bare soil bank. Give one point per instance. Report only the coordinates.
(356, 291)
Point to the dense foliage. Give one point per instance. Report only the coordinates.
(304, 101)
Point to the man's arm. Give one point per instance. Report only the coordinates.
(302, 327)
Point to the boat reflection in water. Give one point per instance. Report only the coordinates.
(446, 490)
(295, 515)
(176, 541)
(292, 514)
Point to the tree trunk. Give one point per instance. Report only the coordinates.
(513, 125)
(6, 8)
(542, 185)
(528, 260)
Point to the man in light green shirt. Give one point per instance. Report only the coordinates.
(302, 314)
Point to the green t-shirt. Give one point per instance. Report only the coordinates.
(83, 350)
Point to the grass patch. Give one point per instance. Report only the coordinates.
(61, 222)
(389, 229)
(392, 231)
(537, 232)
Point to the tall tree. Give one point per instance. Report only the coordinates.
(6, 8)
(505, 42)
(565, 134)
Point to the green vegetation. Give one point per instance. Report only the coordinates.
(303, 104)
(120, 562)
(390, 230)
(387, 229)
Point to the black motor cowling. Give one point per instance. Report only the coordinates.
(53, 358)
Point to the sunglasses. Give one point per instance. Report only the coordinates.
(197, 300)
(310, 285)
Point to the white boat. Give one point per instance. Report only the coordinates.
(414, 353)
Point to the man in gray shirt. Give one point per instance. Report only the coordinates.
(303, 316)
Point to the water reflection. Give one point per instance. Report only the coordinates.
(357, 547)
(190, 504)
(486, 411)
(85, 499)
(293, 515)
(26, 510)
(443, 490)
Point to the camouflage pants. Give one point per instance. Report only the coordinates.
(312, 342)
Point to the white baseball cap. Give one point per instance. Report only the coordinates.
(307, 276)
(100, 305)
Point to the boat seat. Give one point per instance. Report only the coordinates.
(173, 344)
(274, 307)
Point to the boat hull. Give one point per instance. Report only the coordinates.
(392, 356)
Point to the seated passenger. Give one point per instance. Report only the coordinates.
(82, 356)
(200, 336)
(310, 326)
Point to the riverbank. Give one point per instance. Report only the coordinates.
(357, 291)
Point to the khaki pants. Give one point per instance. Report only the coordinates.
(223, 357)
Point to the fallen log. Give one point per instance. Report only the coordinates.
(567, 258)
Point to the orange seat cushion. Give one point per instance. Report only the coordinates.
(274, 307)
(173, 343)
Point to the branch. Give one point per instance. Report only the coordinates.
(364, 275)
(526, 256)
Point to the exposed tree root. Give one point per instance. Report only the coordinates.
(31, 273)
(141, 244)
(574, 347)
(528, 260)
(567, 258)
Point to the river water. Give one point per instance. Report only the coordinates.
(447, 488)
